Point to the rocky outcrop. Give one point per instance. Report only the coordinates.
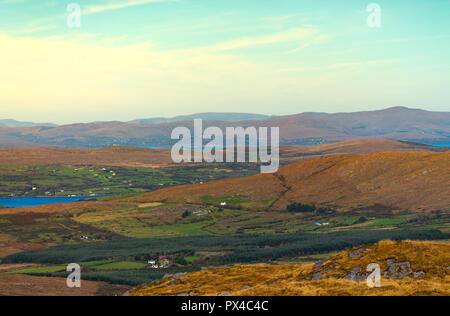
(176, 276)
(356, 275)
(397, 270)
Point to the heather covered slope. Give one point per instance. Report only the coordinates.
(25, 285)
(151, 157)
(290, 154)
(407, 268)
(109, 156)
(390, 181)
(395, 180)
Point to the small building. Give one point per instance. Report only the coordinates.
(153, 264)
(164, 262)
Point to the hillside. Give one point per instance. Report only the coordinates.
(26, 285)
(391, 181)
(149, 157)
(304, 129)
(110, 156)
(290, 154)
(407, 268)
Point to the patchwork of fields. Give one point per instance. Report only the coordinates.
(60, 180)
(181, 213)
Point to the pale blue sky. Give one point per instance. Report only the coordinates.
(142, 58)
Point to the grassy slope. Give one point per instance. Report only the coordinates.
(262, 280)
(392, 181)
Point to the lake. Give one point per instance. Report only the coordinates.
(35, 201)
(442, 145)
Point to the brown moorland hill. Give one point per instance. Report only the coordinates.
(290, 154)
(407, 268)
(25, 285)
(390, 181)
(121, 156)
(110, 156)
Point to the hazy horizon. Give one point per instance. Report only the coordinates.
(136, 59)
(190, 114)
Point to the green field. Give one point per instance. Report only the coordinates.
(122, 265)
(57, 180)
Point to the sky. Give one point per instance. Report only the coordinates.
(133, 59)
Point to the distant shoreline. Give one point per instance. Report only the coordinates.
(31, 201)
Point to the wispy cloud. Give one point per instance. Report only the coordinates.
(120, 5)
(12, 1)
(292, 35)
(339, 66)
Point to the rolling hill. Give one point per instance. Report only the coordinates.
(110, 156)
(386, 182)
(151, 157)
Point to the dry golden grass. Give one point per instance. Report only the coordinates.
(430, 257)
(295, 280)
(144, 205)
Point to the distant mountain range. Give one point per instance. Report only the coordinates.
(14, 123)
(397, 123)
(211, 116)
(225, 117)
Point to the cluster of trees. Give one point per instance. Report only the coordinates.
(126, 277)
(306, 208)
(240, 248)
(300, 208)
(324, 243)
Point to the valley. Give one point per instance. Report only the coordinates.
(324, 199)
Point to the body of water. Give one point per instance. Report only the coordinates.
(35, 201)
(442, 145)
(190, 147)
